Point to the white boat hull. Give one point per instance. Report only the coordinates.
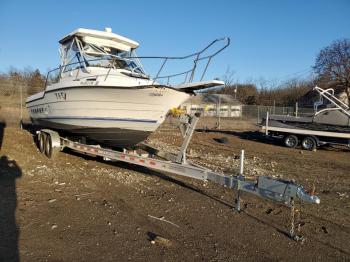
(117, 116)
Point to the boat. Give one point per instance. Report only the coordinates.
(101, 92)
(330, 115)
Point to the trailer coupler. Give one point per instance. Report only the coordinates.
(281, 191)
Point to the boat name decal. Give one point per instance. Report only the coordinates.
(61, 95)
(89, 82)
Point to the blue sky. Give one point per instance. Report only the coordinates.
(272, 39)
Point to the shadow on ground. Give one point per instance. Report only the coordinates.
(28, 126)
(2, 127)
(261, 138)
(247, 135)
(9, 232)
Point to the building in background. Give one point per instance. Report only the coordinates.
(213, 105)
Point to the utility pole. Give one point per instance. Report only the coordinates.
(219, 111)
(236, 92)
(21, 97)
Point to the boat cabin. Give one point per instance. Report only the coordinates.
(92, 48)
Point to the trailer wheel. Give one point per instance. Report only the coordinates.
(50, 151)
(291, 141)
(41, 142)
(309, 143)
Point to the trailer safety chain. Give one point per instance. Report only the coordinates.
(297, 237)
(299, 216)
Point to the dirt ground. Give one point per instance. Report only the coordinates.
(80, 208)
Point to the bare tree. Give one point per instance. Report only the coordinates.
(31, 81)
(333, 63)
(229, 77)
(36, 82)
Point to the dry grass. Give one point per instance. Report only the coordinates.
(10, 110)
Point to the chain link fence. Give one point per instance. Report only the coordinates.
(12, 98)
(256, 113)
(238, 117)
(248, 112)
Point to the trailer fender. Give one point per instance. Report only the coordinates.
(55, 138)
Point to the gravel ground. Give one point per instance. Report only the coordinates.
(80, 208)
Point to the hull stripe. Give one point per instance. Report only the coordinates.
(99, 119)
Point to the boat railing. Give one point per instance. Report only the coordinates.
(187, 75)
(328, 94)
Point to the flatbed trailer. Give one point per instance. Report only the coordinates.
(309, 139)
(281, 191)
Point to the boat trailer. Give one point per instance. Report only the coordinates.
(281, 191)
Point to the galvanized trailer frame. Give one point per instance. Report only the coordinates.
(281, 191)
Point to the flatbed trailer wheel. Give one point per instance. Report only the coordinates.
(309, 143)
(50, 151)
(291, 141)
(41, 142)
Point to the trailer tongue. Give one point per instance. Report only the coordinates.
(282, 191)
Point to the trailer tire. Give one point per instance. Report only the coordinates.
(309, 143)
(41, 142)
(291, 141)
(50, 151)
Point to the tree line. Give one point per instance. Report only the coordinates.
(31, 81)
(331, 68)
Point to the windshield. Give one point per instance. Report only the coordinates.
(103, 56)
(128, 65)
(78, 54)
